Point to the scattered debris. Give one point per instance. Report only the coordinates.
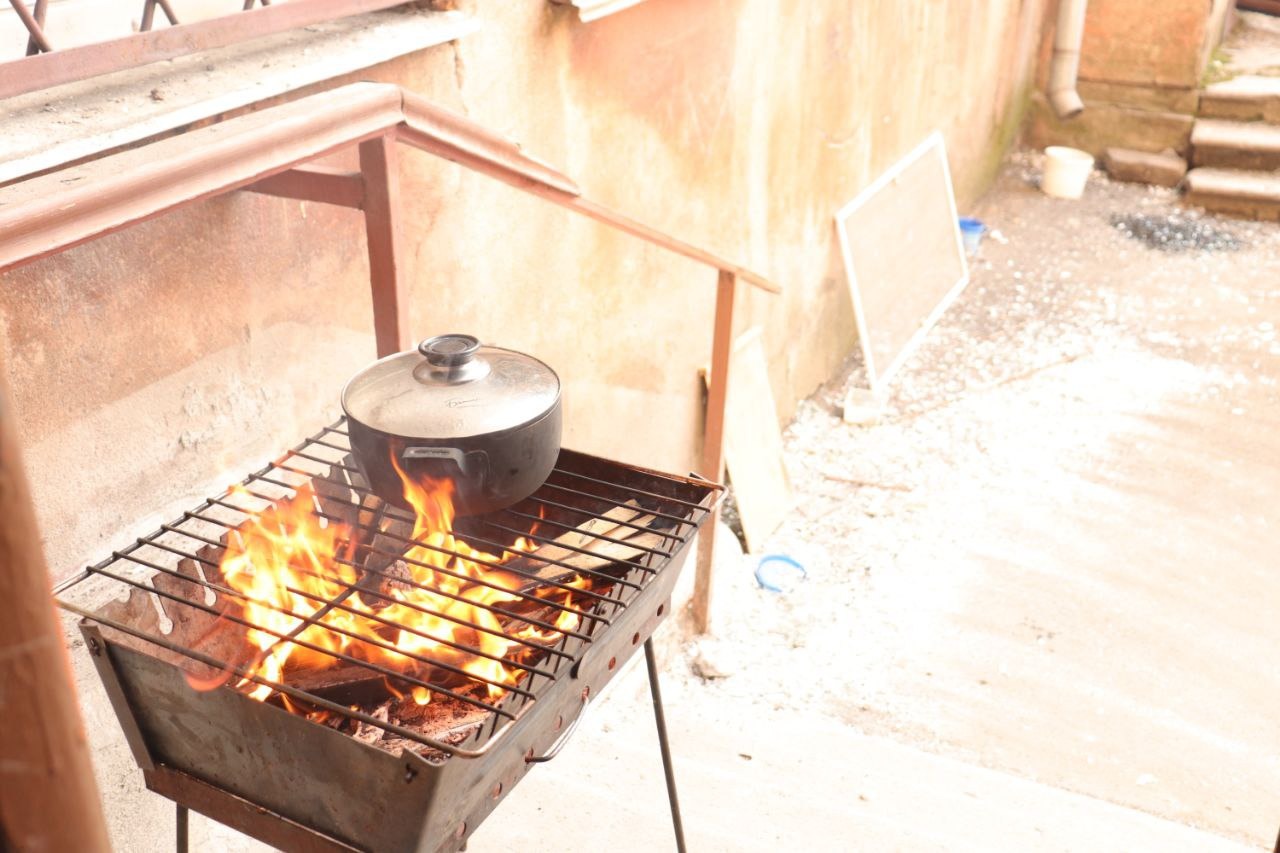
(1175, 232)
(866, 484)
(710, 660)
(861, 407)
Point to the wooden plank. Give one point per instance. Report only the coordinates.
(47, 214)
(48, 797)
(324, 184)
(753, 442)
(1267, 7)
(379, 165)
(903, 256)
(52, 212)
(713, 442)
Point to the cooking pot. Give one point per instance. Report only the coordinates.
(485, 418)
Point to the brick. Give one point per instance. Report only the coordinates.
(1244, 98)
(1250, 195)
(1147, 96)
(1143, 167)
(1236, 145)
(1102, 126)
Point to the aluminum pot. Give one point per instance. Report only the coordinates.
(486, 418)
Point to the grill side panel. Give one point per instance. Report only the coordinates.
(309, 773)
(316, 779)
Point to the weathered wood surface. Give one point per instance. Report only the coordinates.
(48, 797)
(713, 443)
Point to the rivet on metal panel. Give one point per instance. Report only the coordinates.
(462, 830)
(409, 772)
(94, 648)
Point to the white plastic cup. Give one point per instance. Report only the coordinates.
(1066, 170)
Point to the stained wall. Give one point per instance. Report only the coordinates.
(151, 364)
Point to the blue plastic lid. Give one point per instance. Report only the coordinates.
(971, 225)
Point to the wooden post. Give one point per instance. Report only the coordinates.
(713, 443)
(48, 797)
(378, 164)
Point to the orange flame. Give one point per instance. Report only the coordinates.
(289, 564)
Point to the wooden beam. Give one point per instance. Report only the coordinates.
(713, 443)
(379, 166)
(52, 212)
(47, 214)
(323, 184)
(48, 797)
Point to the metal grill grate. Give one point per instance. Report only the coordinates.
(176, 590)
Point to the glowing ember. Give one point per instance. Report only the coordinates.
(291, 567)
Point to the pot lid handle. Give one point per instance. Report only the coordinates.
(449, 350)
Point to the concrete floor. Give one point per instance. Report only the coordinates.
(1042, 594)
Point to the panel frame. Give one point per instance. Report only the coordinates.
(877, 380)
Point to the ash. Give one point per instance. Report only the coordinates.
(1175, 232)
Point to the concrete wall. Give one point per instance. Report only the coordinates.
(1126, 42)
(1140, 71)
(151, 364)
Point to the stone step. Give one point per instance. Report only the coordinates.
(1245, 98)
(1250, 195)
(1235, 144)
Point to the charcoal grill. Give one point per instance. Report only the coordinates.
(299, 784)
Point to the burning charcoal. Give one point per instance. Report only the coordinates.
(346, 683)
(367, 733)
(397, 578)
(439, 716)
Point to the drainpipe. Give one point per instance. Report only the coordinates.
(1065, 63)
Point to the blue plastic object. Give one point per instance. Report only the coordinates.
(779, 573)
(971, 231)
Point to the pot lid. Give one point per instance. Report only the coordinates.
(451, 387)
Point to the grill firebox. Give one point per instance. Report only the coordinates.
(365, 780)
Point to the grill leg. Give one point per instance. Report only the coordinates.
(661, 720)
(181, 821)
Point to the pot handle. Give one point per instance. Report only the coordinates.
(453, 359)
(473, 464)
